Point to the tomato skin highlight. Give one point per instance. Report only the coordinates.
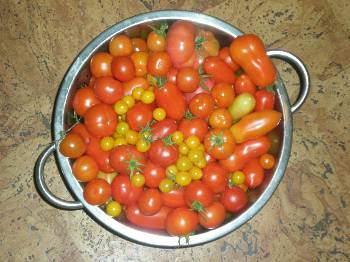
(123, 68)
(174, 198)
(170, 98)
(159, 64)
(181, 222)
(156, 221)
(234, 199)
(84, 99)
(244, 152)
(162, 154)
(150, 202)
(219, 70)
(255, 125)
(100, 64)
(108, 90)
(138, 116)
(249, 52)
(254, 173)
(123, 191)
(199, 192)
(201, 105)
(215, 177)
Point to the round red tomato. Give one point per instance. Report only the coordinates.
(223, 94)
(202, 105)
(84, 99)
(195, 126)
(213, 216)
(220, 118)
(139, 115)
(97, 191)
(126, 159)
(244, 85)
(234, 199)
(198, 193)
(100, 64)
(123, 191)
(120, 45)
(85, 168)
(158, 64)
(215, 177)
(254, 173)
(163, 128)
(171, 75)
(108, 90)
(72, 146)
(180, 41)
(153, 174)
(150, 202)
(181, 222)
(174, 198)
(101, 120)
(219, 143)
(163, 153)
(123, 68)
(187, 79)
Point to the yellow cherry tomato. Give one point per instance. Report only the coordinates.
(201, 163)
(195, 155)
(129, 100)
(107, 143)
(192, 141)
(183, 149)
(237, 178)
(113, 209)
(120, 141)
(171, 171)
(122, 118)
(138, 180)
(131, 137)
(159, 114)
(120, 107)
(183, 163)
(116, 135)
(183, 178)
(147, 97)
(166, 185)
(201, 147)
(137, 93)
(195, 173)
(122, 127)
(143, 145)
(177, 137)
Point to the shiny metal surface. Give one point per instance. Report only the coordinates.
(78, 71)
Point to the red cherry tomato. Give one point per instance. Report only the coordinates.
(219, 70)
(223, 94)
(225, 56)
(101, 120)
(85, 168)
(181, 222)
(123, 68)
(180, 41)
(150, 202)
(163, 128)
(234, 199)
(102, 157)
(249, 52)
(156, 221)
(84, 99)
(202, 105)
(215, 177)
(158, 63)
(244, 152)
(72, 146)
(187, 79)
(163, 154)
(133, 83)
(174, 198)
(126, 159)
(213, 216)
(254, 173)
(100, 64)
(123, 191)
(267, 161)
(153, 174)
(219, 143)
(108, 90)
(139, 116)
(265, 100)
(244, 85)
(120, 45)
(198, 192)
(97, 191)
(195, 126)
(170, 98)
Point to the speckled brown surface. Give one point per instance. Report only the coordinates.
(306, 219)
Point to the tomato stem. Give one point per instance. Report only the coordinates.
(198, 42)
(188, 115)
(216, 140)
(239, 72)
(167, 140)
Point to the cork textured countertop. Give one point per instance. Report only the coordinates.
(307, 219)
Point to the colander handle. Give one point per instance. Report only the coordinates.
(300, 68)
(42, 187)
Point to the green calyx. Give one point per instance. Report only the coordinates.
(216, 140)
(146, 132)
(162, 30)
(198, 207)
(188, 115)
(168, 141)
(134, 165)
(198, 42)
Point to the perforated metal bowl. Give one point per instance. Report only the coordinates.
(79, 72)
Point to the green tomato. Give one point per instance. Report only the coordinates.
(242, 105)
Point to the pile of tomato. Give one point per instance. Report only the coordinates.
(172, 130)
